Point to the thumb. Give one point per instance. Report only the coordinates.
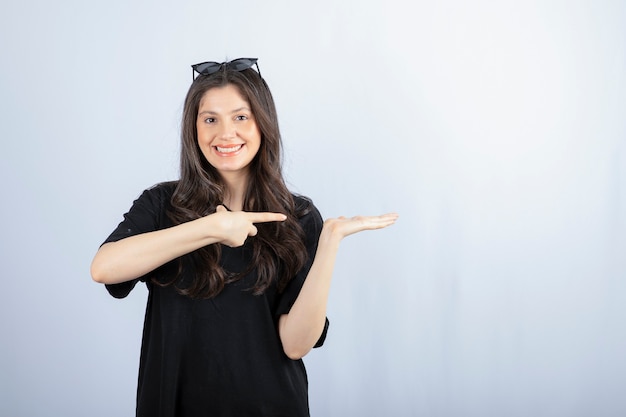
(253, 231)
(220, 208)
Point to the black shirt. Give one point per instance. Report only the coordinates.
(220, 356)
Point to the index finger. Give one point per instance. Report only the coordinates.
(264, 217)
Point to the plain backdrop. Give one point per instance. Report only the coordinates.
(496, 129)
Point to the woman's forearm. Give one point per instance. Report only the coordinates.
(137, 255)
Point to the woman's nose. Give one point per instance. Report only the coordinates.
(227, 131)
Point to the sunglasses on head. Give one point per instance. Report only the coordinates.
(239, 64)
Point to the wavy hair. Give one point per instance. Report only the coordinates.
(278, 250)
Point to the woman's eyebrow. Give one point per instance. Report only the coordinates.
(241, 109)
(215, 113)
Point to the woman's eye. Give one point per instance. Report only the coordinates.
(242, 117)
(209, 120)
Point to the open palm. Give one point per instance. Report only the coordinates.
(346, 226)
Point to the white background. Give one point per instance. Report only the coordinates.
(496, 129)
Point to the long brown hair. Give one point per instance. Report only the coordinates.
(278, 250)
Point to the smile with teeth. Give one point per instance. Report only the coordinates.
(229, 149)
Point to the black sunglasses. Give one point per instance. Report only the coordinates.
(239, 64)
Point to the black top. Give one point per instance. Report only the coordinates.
(220, 356)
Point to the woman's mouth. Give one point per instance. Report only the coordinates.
(228, 150)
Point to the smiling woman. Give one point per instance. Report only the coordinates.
(228, 135)
(237, 267)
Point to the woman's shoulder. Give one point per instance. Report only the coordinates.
(167, 187)
(306, 211)
(303, 204)
(158, 195)
(161, 190)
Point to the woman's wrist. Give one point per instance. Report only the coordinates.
(330, 234)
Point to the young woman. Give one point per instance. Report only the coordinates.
(238, 269)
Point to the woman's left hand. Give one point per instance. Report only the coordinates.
(341, 227)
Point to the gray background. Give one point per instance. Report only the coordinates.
(496, 129)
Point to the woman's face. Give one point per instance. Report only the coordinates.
(228, 135)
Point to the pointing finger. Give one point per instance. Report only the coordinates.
(266, 217)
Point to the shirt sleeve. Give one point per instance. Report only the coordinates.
(312, 224)
(145, 215)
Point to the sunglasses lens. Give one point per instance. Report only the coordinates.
(206, 68)
(241, 64)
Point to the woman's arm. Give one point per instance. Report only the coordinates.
(137, 255)
(301, 328)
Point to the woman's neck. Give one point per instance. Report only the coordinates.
(236, 187)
